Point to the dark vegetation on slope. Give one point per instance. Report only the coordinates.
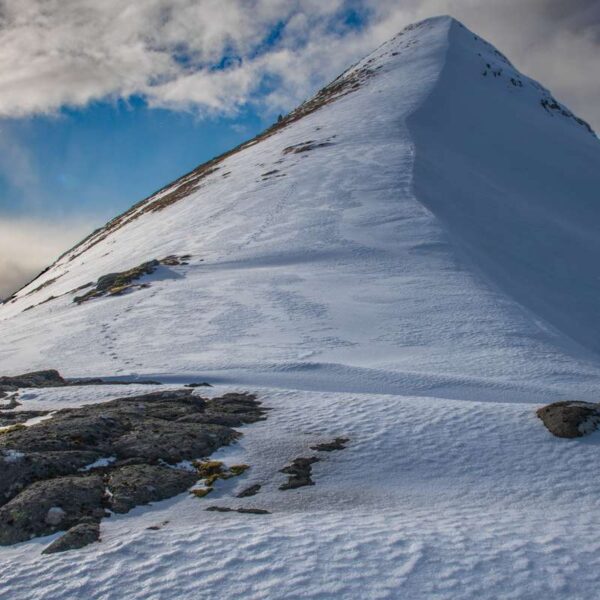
(115, 284)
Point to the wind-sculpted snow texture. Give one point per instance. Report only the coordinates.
(409, 265)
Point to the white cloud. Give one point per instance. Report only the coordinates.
(27, 246)
(70, 52)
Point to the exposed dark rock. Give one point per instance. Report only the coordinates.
(219, 509)
(299, 473)
(49, 479)
(245, 511)
(113, 284)
(11, 404)
(570, 419)
(139, 484)
(52, 378)
(306, 147)
(249, 491)
(338, 444)
(21, 416)
(173, 260)
(36, 379)
(151, 427)
(78, 536)
(195, 385)
(172, 442)
(18, 469)
(211, 470)
(52, 505)
(98, 381)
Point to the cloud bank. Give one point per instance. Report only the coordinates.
(26, 246)
(211, 56)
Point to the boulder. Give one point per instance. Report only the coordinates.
(78, 536)
(570, 419)
(51, 505)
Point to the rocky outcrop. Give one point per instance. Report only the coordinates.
(115, 284)
(78, 536)
(12, 417)
(45, 507)
(339, 443)
(250, 491)
(299, 473)
(37, 379)
(71, 467)
(133, 485)
(243, 511)
(570, 419)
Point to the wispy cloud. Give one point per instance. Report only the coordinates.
(212, 56)
(27, 245)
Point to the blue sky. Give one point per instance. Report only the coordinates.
(101, 103)
(98, 160)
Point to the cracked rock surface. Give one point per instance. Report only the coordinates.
(71, 467)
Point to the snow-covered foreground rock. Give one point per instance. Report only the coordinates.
(431, 498)
(409, 262)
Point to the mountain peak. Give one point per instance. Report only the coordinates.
(431, 164)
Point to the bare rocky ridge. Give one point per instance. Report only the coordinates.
(66, 471)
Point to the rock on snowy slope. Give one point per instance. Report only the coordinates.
(54, 474)
(570, 419)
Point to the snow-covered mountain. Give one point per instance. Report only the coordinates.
(410, 258)
(429, 221)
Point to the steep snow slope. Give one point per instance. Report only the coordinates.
(351, 266)
(402, 279)
(520, 190)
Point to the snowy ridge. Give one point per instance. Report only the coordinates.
(281, 231)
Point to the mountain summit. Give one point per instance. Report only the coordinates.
(429, 209)
(381, 288)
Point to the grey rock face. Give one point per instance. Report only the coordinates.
(339, 443)
(19, 469)
(77, 537)
(172, 442)
(250, 491)
(48, 477)
(13, 417)
(51, 505)
(299, 473)
(570, 419)
(133, 485)
(36, 379)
